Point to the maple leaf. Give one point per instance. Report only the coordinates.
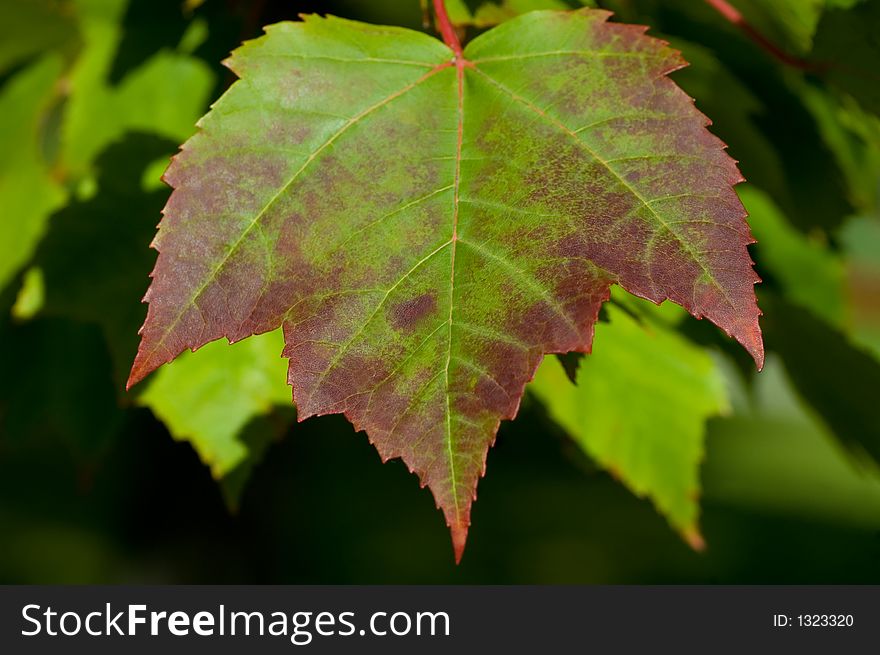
(427, 223)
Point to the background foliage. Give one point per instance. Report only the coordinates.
(202, 475)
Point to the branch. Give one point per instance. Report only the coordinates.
(732, 15)
(450, 37)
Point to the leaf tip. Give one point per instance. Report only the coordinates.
(753, 341)
(144, 364)
(694, 539)
(459, 532)
(759, 358)
(136, 375)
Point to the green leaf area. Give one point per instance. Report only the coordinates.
(639, 408)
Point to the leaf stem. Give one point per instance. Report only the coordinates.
(447, 31)
(732, 15)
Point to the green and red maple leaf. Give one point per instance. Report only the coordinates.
(426, 224)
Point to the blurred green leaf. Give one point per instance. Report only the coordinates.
(31, 296)
(639, 409)
(853, 137)
(495, 13)
(147, 27)
(843, 4)
(777, 459)
(31, 27)
(816, 196)
(165, 95)
(95, 258)
(209, 396)
(491, 13)
(790, 24)
(847, 43)
(861, 241)
(28, 191)
(458, 10)
(808, 271)
(838, 378)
